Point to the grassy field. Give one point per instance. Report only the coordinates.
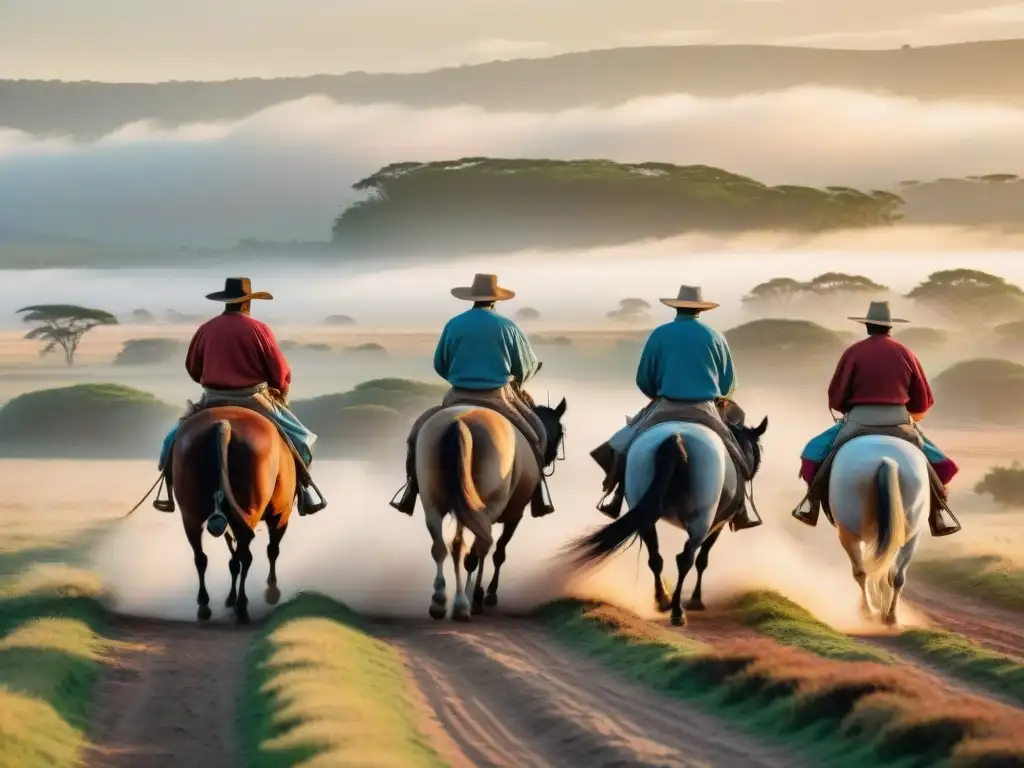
(324, 692)
(985, 577)
(54, 638)
(840, 712)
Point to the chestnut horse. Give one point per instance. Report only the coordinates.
(233, 469)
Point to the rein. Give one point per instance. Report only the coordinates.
(160, 482)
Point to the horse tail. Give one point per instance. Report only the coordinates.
(670, 474)
(234, 511)
(890, 517)
(456, 459)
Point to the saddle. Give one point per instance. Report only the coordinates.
(819, 487)
(250, 403)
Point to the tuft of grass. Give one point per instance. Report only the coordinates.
(323, 691)
(54, 638)
(995, 671)
(986, 577)
(839, 712)
(787, 622)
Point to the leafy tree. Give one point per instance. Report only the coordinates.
(631, 309)
(832, 283)
(771, 337)
(981, 390)
(142, 316)
(149, 351)
(970, 296)
(777, 292)
(1004, 484)
(528, 314)
(63, 325)
(923, 337)
(339, 320)
(584, 202)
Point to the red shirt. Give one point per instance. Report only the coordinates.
(235, 351)
(879, 371)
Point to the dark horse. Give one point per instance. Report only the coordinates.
(236, 470)
(681, 473)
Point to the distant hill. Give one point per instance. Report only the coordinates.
(991, 71)
(479, 203)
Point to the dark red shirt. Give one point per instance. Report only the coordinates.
(235, 351)
(879, 371)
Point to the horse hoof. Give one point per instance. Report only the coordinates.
(889, 620)
(695, 605)
(204, 613)
(272, 595)
(679, 620)
(242, 618)
(437, 611)
(477, 609)
(460, 616)
(491, 599)
(230, 602)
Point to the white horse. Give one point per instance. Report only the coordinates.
(679, 472)
(879, 495)
(473, 463)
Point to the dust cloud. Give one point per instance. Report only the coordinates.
(286, 171)
(365, 554)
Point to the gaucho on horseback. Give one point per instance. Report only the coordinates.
(880, 388)
(237, 361)
(686, 370)
(487, 359)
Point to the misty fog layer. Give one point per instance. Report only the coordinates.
(285, 172)
(572, 289)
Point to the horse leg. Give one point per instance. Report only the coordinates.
(898, 579)
(272, 594)
(656, 563)
(508, 530)
(472, 562)
(242, 606)
(233, 566)
(461, 608)
(695, 603)
(854, 551)
(195, 538)
(684, 562)
(439, 551)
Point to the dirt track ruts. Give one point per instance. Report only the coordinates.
(503, 692)
(170, 698)
(992, 627)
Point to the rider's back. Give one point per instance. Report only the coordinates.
(235, 351)
(879, 370)
(481, 350)
(686, 359)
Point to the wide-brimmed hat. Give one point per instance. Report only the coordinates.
(879, 314)
(690, 297)
(484, 288)
(236, 290)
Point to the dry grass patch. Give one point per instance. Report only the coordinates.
(846, 713)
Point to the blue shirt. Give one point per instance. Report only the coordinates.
(480, 349)
(686, 360)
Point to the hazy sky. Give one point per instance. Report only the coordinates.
(145, 40)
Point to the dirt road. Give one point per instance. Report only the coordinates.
(494, 692)
(169, 699)
(502, 692)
